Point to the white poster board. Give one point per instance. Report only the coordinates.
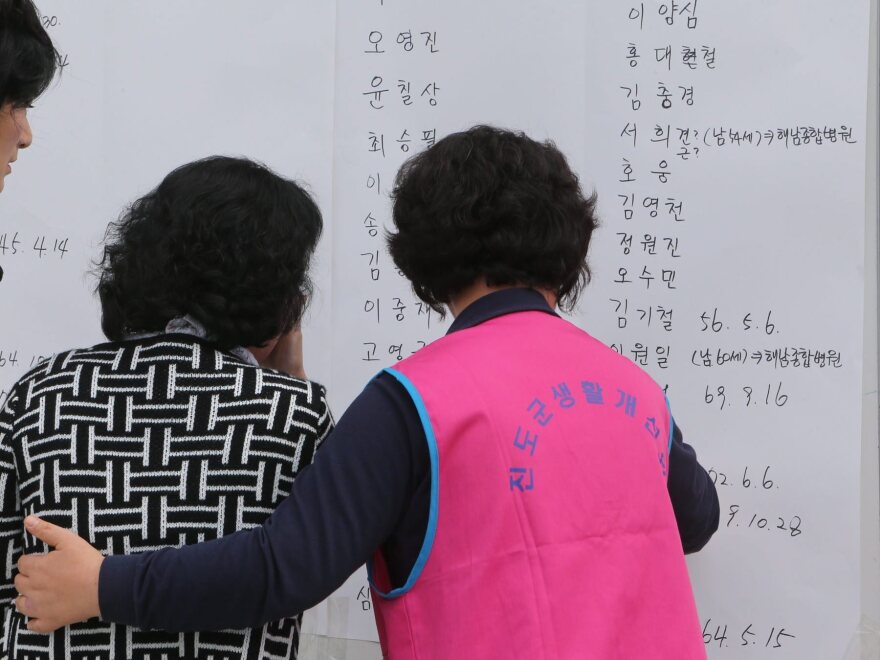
(727, 142)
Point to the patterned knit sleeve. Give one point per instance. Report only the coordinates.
(325, 416)
(11, 518)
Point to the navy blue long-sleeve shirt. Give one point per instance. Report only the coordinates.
(368, 489)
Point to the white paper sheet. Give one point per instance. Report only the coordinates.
(149, 87)
(771, 228)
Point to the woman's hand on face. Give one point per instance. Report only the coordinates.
(287, 355)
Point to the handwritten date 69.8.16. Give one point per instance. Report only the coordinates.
(722, 398)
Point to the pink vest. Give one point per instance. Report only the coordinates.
(550, 534)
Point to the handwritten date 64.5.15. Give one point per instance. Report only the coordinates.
(724, 635)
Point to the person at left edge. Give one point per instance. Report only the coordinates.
(28, 61)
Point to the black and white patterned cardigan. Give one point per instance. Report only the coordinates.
(146, 444)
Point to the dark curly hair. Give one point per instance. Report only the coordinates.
(494, 204)
(225, 240)
(28, 59)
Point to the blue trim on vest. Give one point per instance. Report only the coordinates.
(671, 425)
(430, 533)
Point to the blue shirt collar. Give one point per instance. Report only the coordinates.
(499, 303)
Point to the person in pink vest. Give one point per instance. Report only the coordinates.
(517, 488)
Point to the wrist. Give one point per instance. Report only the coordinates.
(96, 589)
(116, 579)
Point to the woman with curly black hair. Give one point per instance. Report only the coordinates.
(491, 206)
(223, 242)
(27, 65)
(176, 430)
(518, 489)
